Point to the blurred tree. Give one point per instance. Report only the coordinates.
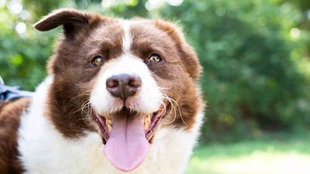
(129, 9)
(255, 72)
(304, 22)
(22, 54)
(39, 8)
(251, 79)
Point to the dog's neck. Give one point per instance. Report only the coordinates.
(84, 154)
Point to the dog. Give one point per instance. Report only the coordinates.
(120, 96)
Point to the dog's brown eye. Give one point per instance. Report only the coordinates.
(97, 61)
(154, 58)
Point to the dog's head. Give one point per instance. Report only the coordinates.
(125, 79)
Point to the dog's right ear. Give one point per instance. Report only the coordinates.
(71, 20)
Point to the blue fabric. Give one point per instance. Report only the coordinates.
(12, 92)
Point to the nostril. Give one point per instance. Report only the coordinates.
(114, 87)
(135, 82)
(112, 83)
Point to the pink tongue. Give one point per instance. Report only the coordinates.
(127, 146)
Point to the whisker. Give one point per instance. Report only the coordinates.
(163, 88)
(176, 108)
(85, 106)
(179, 109)
(172, 109)
(83, 94)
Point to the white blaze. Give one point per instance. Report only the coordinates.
(147, 100)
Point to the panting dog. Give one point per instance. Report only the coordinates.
(120, 96)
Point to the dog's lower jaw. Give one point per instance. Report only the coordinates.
(167, 153)
(128, 133)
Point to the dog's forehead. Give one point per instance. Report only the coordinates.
(129, 31)
(140, 37)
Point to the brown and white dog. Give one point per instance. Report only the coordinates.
(120, 96)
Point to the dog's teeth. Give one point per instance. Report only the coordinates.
(109, 127)
(147, 122)
(108, 116)
(109, 123)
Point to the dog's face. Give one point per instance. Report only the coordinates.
(125, 79)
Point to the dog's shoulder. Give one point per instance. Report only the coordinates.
(10, 113)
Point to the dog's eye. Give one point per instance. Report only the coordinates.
(154, 58)
(97, 61)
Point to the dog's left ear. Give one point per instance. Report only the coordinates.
(71, 20)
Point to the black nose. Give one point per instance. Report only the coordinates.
(123, 85)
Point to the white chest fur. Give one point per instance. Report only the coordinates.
(44, 150)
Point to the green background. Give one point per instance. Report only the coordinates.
(255, 55)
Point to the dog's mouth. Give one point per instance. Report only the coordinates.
(127, 135)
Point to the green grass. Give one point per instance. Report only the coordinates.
(274, 155)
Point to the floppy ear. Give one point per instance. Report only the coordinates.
(71, 20)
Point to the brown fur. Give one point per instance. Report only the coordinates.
(74, 74)
(179, 70)
(103, 36)
(86, 36)
(10, 113)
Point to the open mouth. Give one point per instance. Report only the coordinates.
(127, 135)
(151, 121)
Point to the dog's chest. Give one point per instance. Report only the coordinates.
(49, 152)
(44, 150)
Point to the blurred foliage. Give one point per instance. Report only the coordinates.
(251, 79)
(255, 56)
(22, 56)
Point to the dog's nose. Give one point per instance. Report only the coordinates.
(123, 85)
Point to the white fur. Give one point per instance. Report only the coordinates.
(147, 100)
(44, 150)
(127, 36)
